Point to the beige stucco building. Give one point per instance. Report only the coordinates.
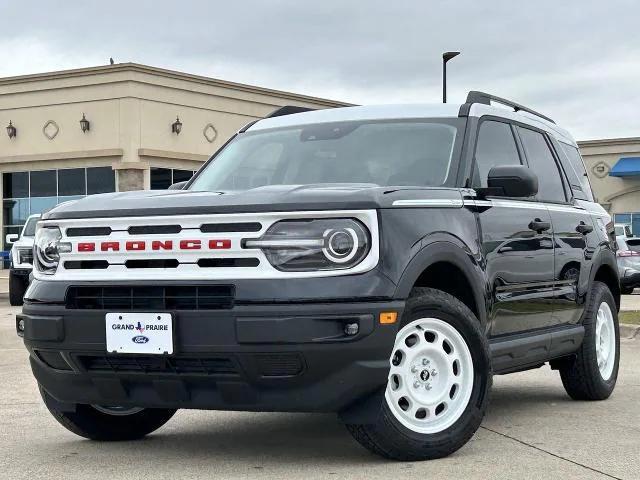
(613, 166)
(129, 144)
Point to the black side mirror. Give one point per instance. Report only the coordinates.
(511, 181)
(178, 186)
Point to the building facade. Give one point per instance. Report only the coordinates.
(613, 166)
(129, 126)
(115, 128)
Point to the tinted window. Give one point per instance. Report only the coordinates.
(633, 244)
(43, 183)
(577, 168)
(181, 175)
(496, 146)
(160, 178)
(42, 204)
(381, 153)
(100, 180)
(71, 182)
(16, 185)
(541, 161)
(16, 211)
(30, 227)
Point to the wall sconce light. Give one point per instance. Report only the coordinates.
(11, 130)
(85, 125)
(176, 127)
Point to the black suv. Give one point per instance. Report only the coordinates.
(381, 262)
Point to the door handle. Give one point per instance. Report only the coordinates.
(539, 226)
(583, 228)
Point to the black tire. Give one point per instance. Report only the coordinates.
(17, 289)
(580, 374)
(626, 290)
(88, 422)
(387, 436)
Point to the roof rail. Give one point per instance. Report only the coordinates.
(487, 98)
(288, 110)
(278, 112)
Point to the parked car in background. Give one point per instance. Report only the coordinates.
(21, 260)
(628, 255)
(623, 230)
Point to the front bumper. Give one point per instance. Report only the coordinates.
(21, 272)
(265, 357)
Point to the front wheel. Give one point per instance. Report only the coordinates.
(109, 423)
(593, 372)
(438, 385)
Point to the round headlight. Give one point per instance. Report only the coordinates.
(316, 244)
(46, 249)
(341, 245)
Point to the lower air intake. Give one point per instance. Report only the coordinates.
(145, 298)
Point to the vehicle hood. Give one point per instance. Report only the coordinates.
(23, 242)
(263, 199)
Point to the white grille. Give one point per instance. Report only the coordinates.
(234, 262)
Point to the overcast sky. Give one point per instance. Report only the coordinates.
(576, 61)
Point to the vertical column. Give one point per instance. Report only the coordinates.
(130, 174)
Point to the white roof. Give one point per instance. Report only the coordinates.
(408, 111)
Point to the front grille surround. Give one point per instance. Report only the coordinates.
(192, 247)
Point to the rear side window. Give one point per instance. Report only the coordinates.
(576, 172)
(542, 162)
(495, 146)
(633, 244)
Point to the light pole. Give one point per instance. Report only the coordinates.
(446, 56)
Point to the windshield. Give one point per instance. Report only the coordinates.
(383, 153)
(30, 227)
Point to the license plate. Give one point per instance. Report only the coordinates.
(148, 333)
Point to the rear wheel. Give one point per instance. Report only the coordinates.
(593, 372)
(109, 423)
(438, 385)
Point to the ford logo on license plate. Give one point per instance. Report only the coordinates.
(139, 339)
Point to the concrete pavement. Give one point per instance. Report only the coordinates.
(631, 302)
(532, 430)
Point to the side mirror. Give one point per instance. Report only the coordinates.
(11, 237)
(178, 186)
(512, 181)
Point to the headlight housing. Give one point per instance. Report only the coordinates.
(47, 248)
(312, 245)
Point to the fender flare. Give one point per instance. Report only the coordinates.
(604, 257)
(449, 252)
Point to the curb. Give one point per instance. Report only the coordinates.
(629, 331)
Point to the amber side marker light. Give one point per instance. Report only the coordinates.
(388, 317)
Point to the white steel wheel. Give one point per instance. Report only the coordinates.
(431, 376)
(605, 341)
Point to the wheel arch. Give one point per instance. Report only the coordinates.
(605, 270)
(446, 266)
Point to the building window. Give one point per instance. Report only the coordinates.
(72, 181)
(100, 180)
(163, 178)
(30, 193)
(16, 185)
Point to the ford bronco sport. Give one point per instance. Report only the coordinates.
(381, 262)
